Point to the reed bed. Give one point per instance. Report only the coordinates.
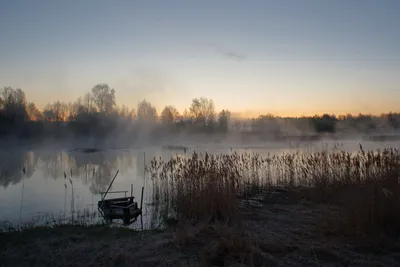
(365, 185)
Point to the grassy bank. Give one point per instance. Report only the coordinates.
(275, 230)
(77, 246)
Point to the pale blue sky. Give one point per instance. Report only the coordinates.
(284, 57)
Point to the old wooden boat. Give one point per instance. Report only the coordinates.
(124, 208)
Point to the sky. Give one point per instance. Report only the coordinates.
(286, 57)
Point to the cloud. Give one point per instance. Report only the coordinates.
(227, 53)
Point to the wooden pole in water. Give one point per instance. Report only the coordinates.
(72, 203)
(144, 167)
(131, 190)
(65, 195)
(144, 180)
(110, 185)
(141, 199)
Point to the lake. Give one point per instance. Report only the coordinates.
(43, 188)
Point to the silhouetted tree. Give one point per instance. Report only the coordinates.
(88, 104)
(122, 112)
(266, 124)
(146, 112)
(13, 104)
(96, 114)
(104, 98)
(224, 119)
(203, 111)
(324, 123)
(33, 112)
(169, 115)
(393, 119)
(56, 112)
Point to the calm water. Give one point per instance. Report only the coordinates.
(43, 188)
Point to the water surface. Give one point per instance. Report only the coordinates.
(43, 188)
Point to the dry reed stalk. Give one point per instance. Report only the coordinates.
(205, 186)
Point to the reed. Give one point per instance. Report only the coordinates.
(205, 187)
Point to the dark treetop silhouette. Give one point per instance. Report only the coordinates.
(96, 114)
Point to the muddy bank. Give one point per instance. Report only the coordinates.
(277, 230)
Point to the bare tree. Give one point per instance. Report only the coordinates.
(224, 119)
(73, 109)
(146, 112)
(125, 113)
(33, 112)
(267, 124)
(88, 103)
(203, 110)
(104, 97)
(13, 104)
(132, 114)
(169, 115)
(56, 112)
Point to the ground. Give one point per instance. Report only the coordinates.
(278, 230)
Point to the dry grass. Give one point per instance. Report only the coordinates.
(220, 245)
(297, 209)
(84, 218)
(197, 188)
(274, 231)
(364, 185)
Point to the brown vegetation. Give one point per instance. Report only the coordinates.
(244, 210)
(364, 185)
(324, 206)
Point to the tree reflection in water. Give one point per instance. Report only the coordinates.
(90, 174)
(93, 169)
(11, 164)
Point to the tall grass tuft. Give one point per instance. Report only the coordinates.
(197, 188)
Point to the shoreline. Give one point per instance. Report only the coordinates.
(280, 228)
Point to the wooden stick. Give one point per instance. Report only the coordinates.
(114, 192)
(141, 199)
(144, 167)
(110, 185)
(144, 180)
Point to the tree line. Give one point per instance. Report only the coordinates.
(97, 114)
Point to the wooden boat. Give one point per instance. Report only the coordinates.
(124, 208)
